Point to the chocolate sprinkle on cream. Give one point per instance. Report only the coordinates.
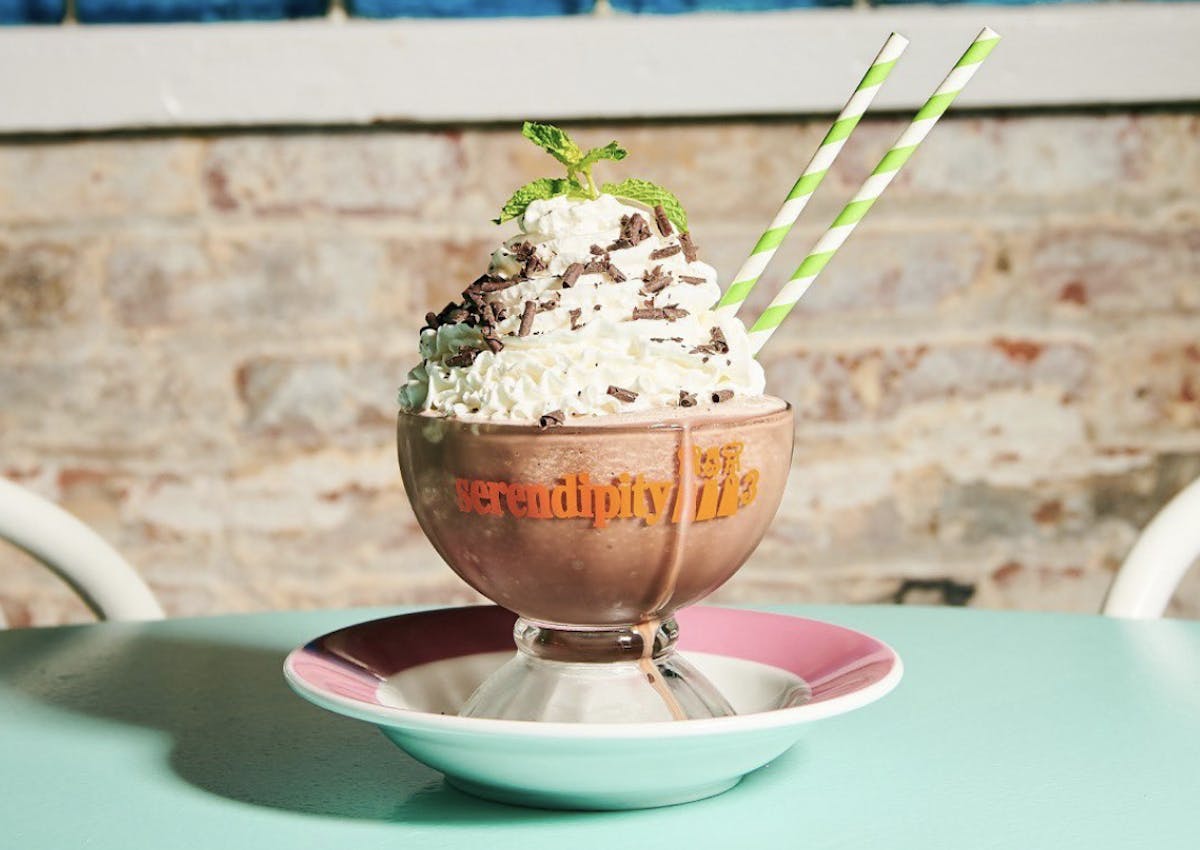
(662, 253)
(431, 320)
(616, 274)
(717, 346)
(664, 223)
(496, 285)
(575, 314)
(656, 280)
(692, 279)
(571, 275)
(488, 313)
(550, 303)
(527, 318)
(722, 395)
(689, 247)
(687, 399)
(492, 341)
(597, 250)
(551, 419)
(670, 313)
(633, 230)
(596, 266)
(462, 358)
(621, 394)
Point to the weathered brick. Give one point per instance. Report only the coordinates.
(408, 174)
(144, 403)
(985, 162)
(876, 382)
(77, 181)
(424, 274)
(308, 400)
(1149, 389)
(37, 283)
(885, 274)
(1107, 270)
(246, 279)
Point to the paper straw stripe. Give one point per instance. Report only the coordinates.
(979, 51)
(877, 73)
(881, 177)
(814, 173)
(840, 130)
(893, 159)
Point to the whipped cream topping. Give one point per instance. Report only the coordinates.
(594, 308)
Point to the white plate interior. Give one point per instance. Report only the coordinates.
(441, 687)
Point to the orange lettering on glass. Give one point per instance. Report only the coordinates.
(722, 488)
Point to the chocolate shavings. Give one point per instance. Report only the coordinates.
(622, 394)
(527, 318)
(692, 279)
(571, 275)
(491, 340)
(689, 247)
(687, 399)
(526, 253)
(488, 313)
(552, 419)
(670, 313)
(655, 280)
(489, 286)
(668, 251)
(722, 395)
(664, 223)
(462, 358)
(718, 345)
(575, 314)
(550, 303)
(633, 230)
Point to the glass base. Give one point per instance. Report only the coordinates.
(621, 674)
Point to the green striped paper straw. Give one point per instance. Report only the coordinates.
(887, 168)
(814, 173)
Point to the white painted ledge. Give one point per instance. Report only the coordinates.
(76, 78)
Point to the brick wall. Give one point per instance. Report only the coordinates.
(997, 384)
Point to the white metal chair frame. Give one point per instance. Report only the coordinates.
(1166, 549)
(81, 557)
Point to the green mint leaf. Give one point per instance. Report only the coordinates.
(649, 194)
(538, 190)
(611, 151)
(554, 142)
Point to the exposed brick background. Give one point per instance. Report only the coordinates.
(998, 383)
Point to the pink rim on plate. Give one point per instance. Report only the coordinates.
(343, 670)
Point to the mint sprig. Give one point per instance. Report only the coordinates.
(579, 182)
(650, 194)
(538, 190)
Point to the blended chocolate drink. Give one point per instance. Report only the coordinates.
(587, 443)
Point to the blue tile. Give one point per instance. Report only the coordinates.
(669, 7)
(31, 11)
(167, 11)
(465, 8)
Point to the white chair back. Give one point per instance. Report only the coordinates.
(105, 580)
(1166, 549)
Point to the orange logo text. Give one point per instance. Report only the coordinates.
(722, 487)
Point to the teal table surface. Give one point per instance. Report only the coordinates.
(1009, 730)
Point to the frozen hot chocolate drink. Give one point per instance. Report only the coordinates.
(589, 445)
